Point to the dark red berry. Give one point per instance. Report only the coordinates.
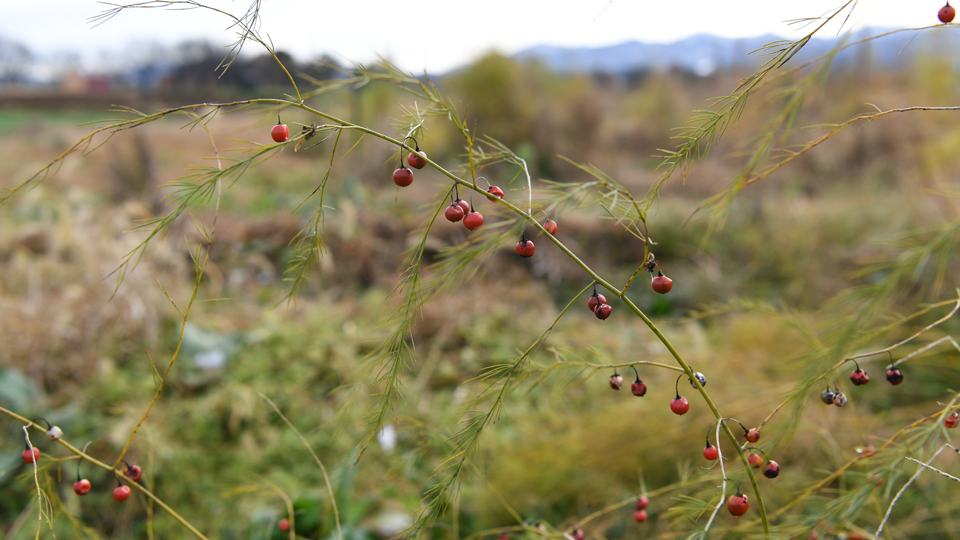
(473, 220)
(403, 177)
(642, 503)
(503, 536)
(495, 193)
(946, 13)
(602, 311)
(738, 504)
(453, 213)
(859, 377)
(753, 435)
(894, 376)
(525, 248)
(594, 300)
(640, 516)
(638, 387)
(465, 205)
(81, 487)
(134, 473)
(550, 226)
(952, 421)
(755, 461)
(616, 381)
(840, 399)
(284, 524)
(415, 159)
(280, 133)
(578, 534)
(121, 493)
(772, 470)
(662, 284)
(31, 455)
(679, 405)
(711, 452)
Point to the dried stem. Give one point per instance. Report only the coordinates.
(896, 498)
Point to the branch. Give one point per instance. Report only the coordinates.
(896, 498)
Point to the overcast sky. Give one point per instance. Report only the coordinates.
(432, 34)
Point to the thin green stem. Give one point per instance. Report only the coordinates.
(326, 478)
(706, 398)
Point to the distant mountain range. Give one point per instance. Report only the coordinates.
(703, 54)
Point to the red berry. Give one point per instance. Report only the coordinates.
(772, 470)
(616, 381)
(134, 473)
(495, 193)
(859, 377)
(31, 456)
(525, 247)
(594, 300)
(679, 405)
(81, 487)
(503, 536)
(415, 160)
(894, 376)
(662, 284)
(284, 524)
(453, 213)
(465, 205)
(855, 536)
(952, 421)
(578, 535)
(711, 452)
(877, 480)
(946, 13)
(602, 311)
(638, 388)
(473, 220)
(121, 493)
(642, 503)
(640, 516)
(550, 226)
(755, 461)
(753, 435)
(738, 504)
(280, 133)
(403, 177)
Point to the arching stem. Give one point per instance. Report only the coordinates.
(80, 460)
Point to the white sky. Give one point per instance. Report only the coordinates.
(435, 35)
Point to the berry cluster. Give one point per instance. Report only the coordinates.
(82, 486)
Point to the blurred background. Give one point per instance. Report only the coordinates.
(746, 308)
